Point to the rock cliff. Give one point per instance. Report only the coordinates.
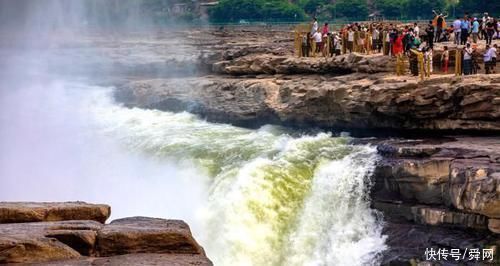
(441, 192)
(350, 102)
(72, 234)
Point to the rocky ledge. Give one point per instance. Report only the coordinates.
(271, 64)
(351, 102)
(72, 234)
(441, 193)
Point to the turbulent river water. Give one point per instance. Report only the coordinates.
(269, 196)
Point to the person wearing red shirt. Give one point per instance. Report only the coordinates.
(325, 30)
(398, 44)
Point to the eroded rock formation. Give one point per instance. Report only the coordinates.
(452, 182)
(62, 240)
(350, 102)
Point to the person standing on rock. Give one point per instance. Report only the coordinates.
(318, 38)
(375, 39)
(475, 30)
(338, 45)
(457, 30)
(490, 30)
(464, 30)
(398, 44)
(487, 59)
(445, 59)
(440, 23)
(467, 65)
(493, 53)
(305, 45)
(430, 34)
(314, 27)
(428, 60)
(350, 40)
(325, 29)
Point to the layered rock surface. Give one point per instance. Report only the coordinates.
(128, 241)
(350, 102)
(270, 64)
(23, 212)
(451, 181)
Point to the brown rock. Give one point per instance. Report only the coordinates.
(47, 241)
(494, 225)
(146, 235)
(255, 64)
(22, 212)
(458, 178)
(428, 215)
(354, 102)
(137, 259)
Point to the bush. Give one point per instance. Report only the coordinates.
(236, 10)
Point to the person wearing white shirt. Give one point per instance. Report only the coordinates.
(375, 39)
(467, 60)
(493, 54)
(318, 38)
(487, 59)
(350, 40)
(457, 29)
(416, 30)
(314, 28)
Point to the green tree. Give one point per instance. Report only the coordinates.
(423, 8)
(235, 10)
(312, 6)
(352, 9)
(478, 7)
(392, 9)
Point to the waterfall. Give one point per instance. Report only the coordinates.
(275, 197)
(271, 196)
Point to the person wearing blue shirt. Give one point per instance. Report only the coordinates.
(464, 34)
(475, 30)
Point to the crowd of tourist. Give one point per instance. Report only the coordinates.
(408, 42)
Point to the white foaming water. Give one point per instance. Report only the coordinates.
(252, 197)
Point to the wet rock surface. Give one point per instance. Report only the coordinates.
(127, 241)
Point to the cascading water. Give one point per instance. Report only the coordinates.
(253, 197)
(273, 199)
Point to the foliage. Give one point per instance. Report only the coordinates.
(392, 8)
(236, 10)
(350, 9)
(312, 7)
(478, 7)
(422, 8)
